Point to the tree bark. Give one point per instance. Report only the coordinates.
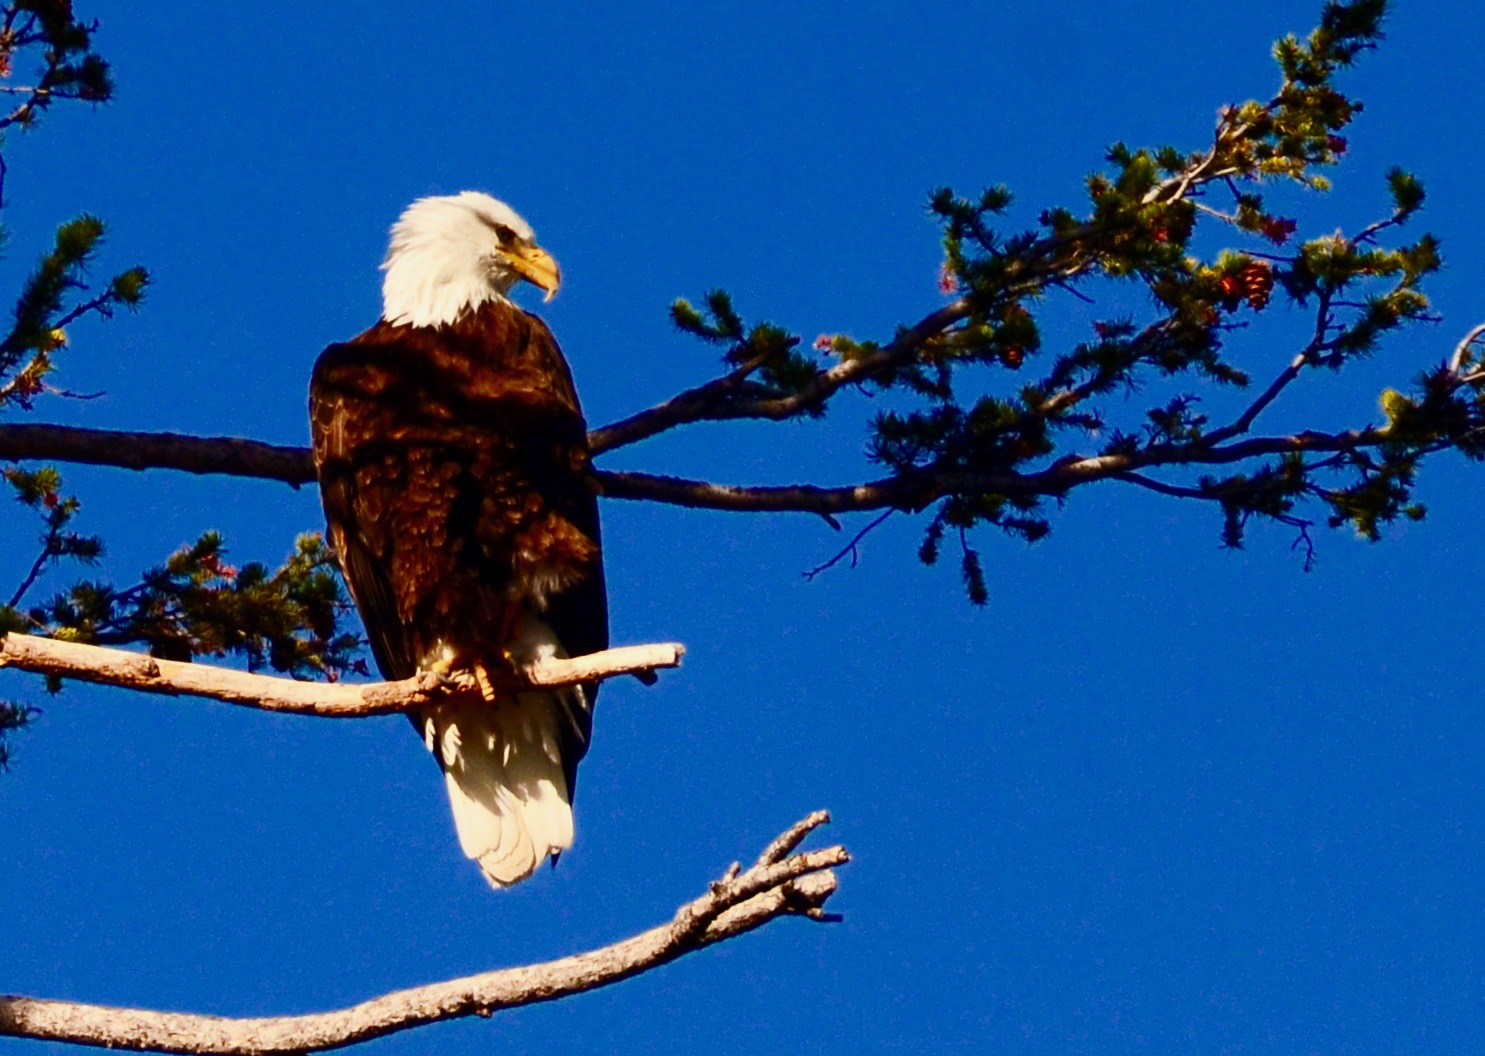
(118, 667)
(779, 884)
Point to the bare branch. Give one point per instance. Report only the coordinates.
(1303, 359)
(117, 667)
(913, 491)
(1462, 350)
(738, 903)
(897, 492)
(791, 838)
(125, 450)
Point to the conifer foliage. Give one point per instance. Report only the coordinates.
(993, 423)
(1172, 254)
(194, 603)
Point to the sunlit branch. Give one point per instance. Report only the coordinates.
(1462, 350)
(127, 670)
(1041, 264)
(714, 401)
(777, 885)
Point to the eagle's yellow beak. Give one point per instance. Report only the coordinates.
(535, 265)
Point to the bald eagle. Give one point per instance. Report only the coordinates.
(453, 465)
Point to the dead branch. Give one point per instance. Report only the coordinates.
(125, 450)
(778, 885)
(126, 670)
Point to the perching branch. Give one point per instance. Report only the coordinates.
(146, 674)
(777, 885)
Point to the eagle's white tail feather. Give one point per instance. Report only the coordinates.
(505, 780)
(502, 763)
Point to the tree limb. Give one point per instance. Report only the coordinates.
(777, 885)
(118, 667)
(125, 450)
(714, 400)
(251, 458)
(1306, 357)
(898, 492)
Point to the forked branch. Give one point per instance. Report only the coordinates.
(779, 884)
(118, 667)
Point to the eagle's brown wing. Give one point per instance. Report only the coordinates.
(342, 391)
(453, 466)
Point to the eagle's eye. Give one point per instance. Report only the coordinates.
(504, 233)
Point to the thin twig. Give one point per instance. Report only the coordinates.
(35, 573)
(1159, 486)
(101, 304)
(68, 394)
(849, 548)
(1303, 538)
(1306, 357)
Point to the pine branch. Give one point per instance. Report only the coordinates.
(716, 400)
(778, 885)
(1305, 358)
(907, 493)
(233, 456)
(139, 451)
(147, 674)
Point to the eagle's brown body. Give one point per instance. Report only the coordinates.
(453, 465)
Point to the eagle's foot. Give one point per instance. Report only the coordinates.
(450, 680)
(443, 669)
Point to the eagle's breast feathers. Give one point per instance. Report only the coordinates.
(456, 459)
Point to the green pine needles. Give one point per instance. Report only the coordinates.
(992, 422)
(965, 458)
(287, 619)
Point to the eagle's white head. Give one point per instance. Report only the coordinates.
(451, 254)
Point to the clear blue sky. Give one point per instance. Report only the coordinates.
(1156, 798)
